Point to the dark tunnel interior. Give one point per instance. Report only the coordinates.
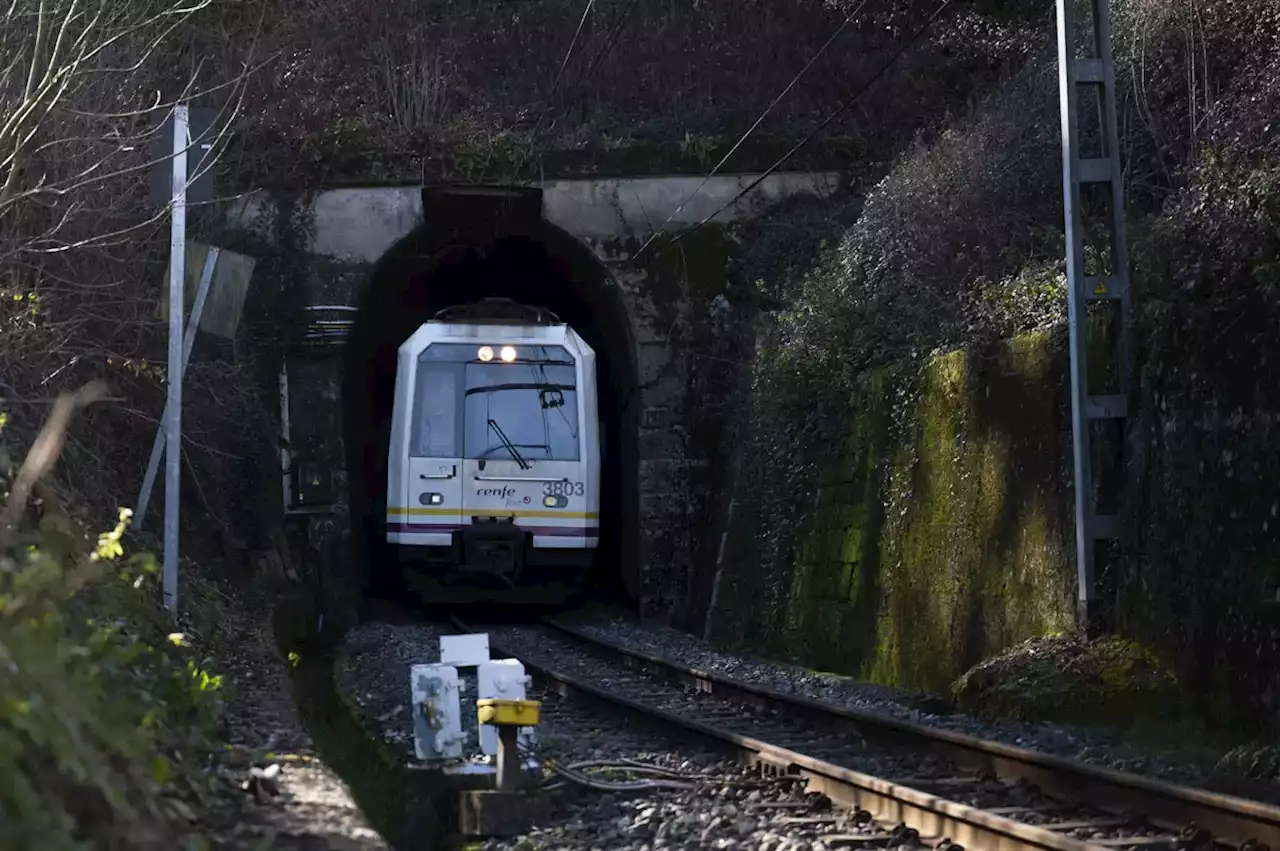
(479, 252)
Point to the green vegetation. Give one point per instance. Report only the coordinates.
(109, 712)
(1111, 681)
(107, 716)
(900, 570)
(906, 506)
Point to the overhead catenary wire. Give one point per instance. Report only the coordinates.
(555, 83)
(612, 39)
(564, 63)
(778, 99)
(594, 62)
(810, 137)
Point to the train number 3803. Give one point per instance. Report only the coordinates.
(562, 488)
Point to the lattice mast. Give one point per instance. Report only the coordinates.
(1086, 71)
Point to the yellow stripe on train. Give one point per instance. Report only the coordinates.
(495, 512)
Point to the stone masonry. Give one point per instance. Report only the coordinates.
(327, 243)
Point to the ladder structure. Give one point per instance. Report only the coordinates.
(1086, 72)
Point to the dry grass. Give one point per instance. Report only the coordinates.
(370, 85)
(418, 92)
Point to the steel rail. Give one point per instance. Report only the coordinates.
(932, 817)
(1241, 822)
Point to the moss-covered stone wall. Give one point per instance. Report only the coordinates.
(902, 512)
(1201, 579)
(926, 523)
(932, 530)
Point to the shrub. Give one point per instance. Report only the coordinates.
(104, 713)
(1067, 678)
(962, 240)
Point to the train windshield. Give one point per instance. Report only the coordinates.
(525, 410)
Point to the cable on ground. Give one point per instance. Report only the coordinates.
(662, 778)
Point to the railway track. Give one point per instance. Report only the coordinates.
(946, 788)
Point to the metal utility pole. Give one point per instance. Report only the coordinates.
(171, 186)
(1091, 73)
(173, 407)
(188, 342)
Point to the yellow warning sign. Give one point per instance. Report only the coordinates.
(1100, 288)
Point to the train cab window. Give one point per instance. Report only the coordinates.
(530, 404)
(437, 426)
(533, 402)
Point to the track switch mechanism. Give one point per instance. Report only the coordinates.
(508, 716)
(511, 808)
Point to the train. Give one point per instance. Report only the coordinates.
(493, 474)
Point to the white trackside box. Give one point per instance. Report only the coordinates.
(437, 720)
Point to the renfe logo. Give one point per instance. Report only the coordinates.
(501, 493)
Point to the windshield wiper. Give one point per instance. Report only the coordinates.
(511, 447)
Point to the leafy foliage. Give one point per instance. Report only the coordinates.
(921, 265)
(104, 714)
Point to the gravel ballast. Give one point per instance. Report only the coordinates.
(725, 805)
(895, 761)
(1108, 748)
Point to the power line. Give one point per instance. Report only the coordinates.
(807, 139)
(612, 39)
(555, 83)
(592, 64)
(569, 53)
(787, 90)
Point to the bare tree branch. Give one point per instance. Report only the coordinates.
(85, 88)
(43, 454)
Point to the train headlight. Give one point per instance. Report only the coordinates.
(557, 501)
(431, 498)
(508, 354)
(485, 354)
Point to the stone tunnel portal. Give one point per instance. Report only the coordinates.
(477, 250)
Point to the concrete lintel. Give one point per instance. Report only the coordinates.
(361, 224)
(601, 208)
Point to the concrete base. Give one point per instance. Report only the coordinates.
(489, 812)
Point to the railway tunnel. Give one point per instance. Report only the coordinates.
(479, 242)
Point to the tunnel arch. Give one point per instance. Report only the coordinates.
(478, 242)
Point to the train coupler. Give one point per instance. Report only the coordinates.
(515, 804)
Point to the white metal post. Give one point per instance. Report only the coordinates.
(173, 407)
(188, 342)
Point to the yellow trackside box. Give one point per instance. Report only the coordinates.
(514, 713)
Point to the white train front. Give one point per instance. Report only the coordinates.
(494, 468)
